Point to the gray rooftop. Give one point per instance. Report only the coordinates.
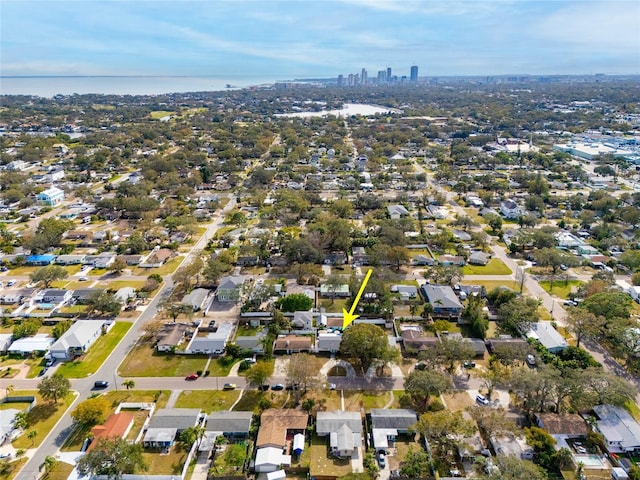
(229, 422)
(393, 418)
(441, 296)
(328, 422)
(180, 418)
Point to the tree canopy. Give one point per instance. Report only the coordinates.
(366, 345)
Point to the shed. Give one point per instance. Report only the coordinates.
(298, 443)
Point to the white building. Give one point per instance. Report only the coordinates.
(510, 209)
(51, 196)
(77, 340)
(547, 336)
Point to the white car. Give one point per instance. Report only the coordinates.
(482, 400)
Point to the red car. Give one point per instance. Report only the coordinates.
(193, 376)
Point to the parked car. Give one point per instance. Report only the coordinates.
(482, 400)
(193, 376)
(250, 360)
(531, 360)
(277, 386)
(83, 279)
(11, 283)
(100, 384)
(332, 386)
(382, 458)
(229, 386)
(469, 364)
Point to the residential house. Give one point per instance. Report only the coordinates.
(52, 196)
(568, 240)
(397, 211)
(511, 446)
(70, 259)
(252, 342)
(25, 346)
(131, 260)
(359, 256)
(213, 342)
(334, 291)
(103, 260)
(302, 320)
(478, 258)
(198, 299)
(54, 296)
(514, 344)
(39, 260)
(510, 209)
(405, 292)
(423, 260)
(276, 425)
(563, 427)
(344, 430)
(387, 424)
(230, 289)
(621, 431)
(248, 260)
(232, 425)
(461, 235)
(125, 294)
(451, 260)
(414, 339)
(548, 336)
(167, 423)
(11, 297)
(443, 300)
(170, 336)
(478, 346)
(117, 426)
(292, 344)
(83, 295)
(335, 258)
(329, 341)
(77, 340)
(157, 258)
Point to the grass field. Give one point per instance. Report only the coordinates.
(60, 472)
(336, 307)
(165, 464)
(561, 289)
(144, 361)
(99, 351)
(491, 284)
(14, 468)
(41, 418)
(157, 115)
(494, 267)
(207, 400)
(118, 284)
(322, 465)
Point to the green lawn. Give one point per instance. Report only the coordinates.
(322, 464)
(118, 284)
(561, 288)
(491, 284)
(165, 464)
(165, 269)
(99, 351)
(336, 307)
(494, 267)
(144, 361)
(14, 468)
(22, 270)
(157, 115)
(249, 401)
(41, 418)
(60, 472)
(207, 400)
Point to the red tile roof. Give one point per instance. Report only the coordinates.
(116, 426)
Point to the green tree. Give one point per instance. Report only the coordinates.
(296, 302)
(21, 420)
(301, 373)
(444, 274)
(104, 303)
(415, 464)
(26, 328)
(117, 266)
(191, 435)
(441, 428)
(517, 314)
(54, 387)
(258, 375)
(494, 221)
(31, 435)
(112, 458)
(60, 327)
(366, 345)
(92, 411)
(129, 384)
(333, 283)
(45, 276)
(554, 258)
(513, 468)
(608, 305)
(421, 385)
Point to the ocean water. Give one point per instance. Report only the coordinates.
(50, 86)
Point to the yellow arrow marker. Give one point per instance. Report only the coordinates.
(349, 316)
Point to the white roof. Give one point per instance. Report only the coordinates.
(618, 426)
(78, 335)
(547, 335)
(271, 456)
(277, 475)
(38, 343)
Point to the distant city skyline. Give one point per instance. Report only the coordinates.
(300, 39)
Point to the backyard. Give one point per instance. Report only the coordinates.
(322, 464)
(91, 361)
(165, 463)
(494, 267)
(207, 400)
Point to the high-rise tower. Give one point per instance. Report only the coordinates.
(414, 74)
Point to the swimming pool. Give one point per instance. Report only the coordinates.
(591, 461)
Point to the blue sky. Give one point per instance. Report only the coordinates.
(305, 38)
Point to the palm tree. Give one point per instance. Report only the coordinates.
(50, 463)
(8, 390)
(129, 384)
(32, 436)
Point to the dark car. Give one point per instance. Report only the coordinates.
(101, 384)
(277, 386)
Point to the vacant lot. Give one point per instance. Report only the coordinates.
(207, 400)
(144, 361)
(561, 288)
(494, 267)
(99, 351)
